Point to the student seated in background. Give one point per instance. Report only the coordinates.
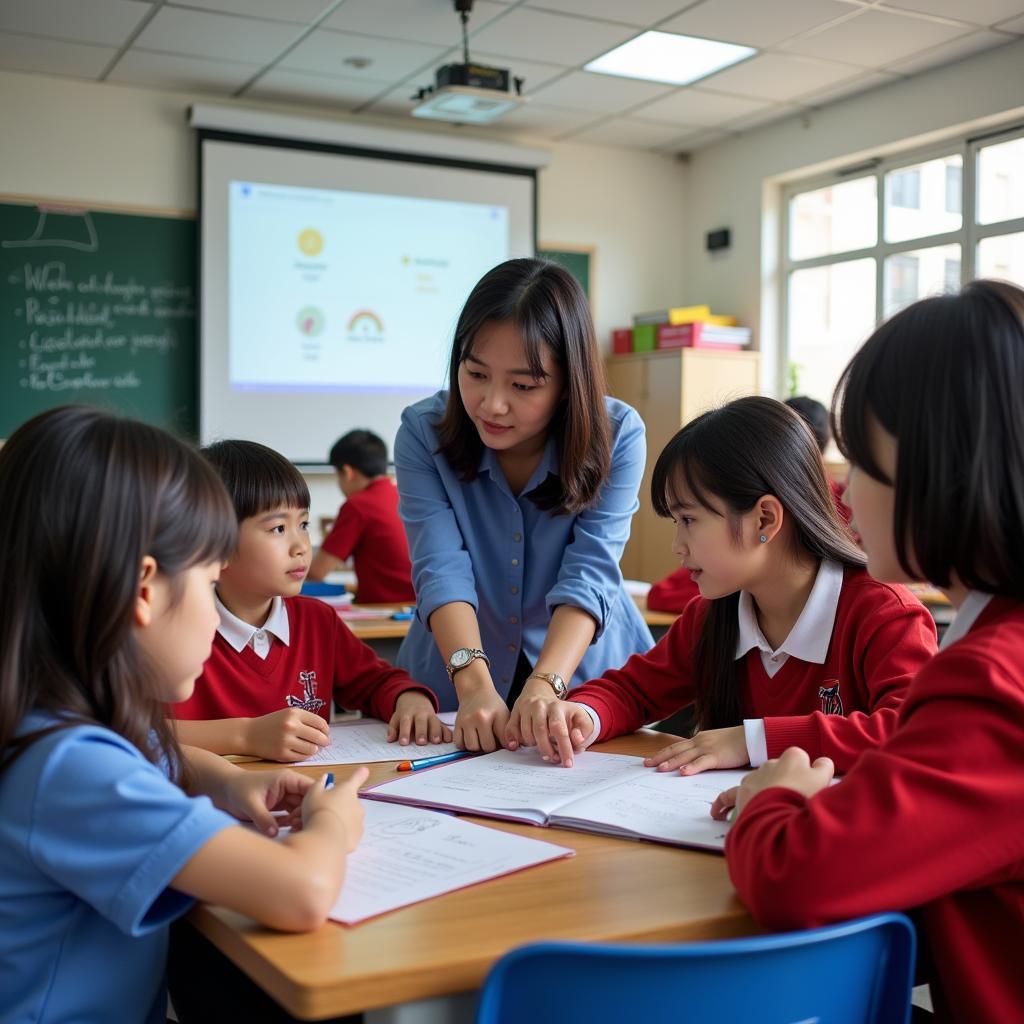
(367, 527)
(277, 658)
(792, 643)
(678, 588)
(933, 819)
(110, 829)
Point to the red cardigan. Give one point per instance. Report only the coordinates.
(931, 820)
(881, 637)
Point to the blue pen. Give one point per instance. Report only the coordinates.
(329, 784)
(429, 762)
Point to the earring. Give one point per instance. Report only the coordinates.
(763, 539)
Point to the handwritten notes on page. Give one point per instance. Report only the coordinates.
(364, 741)
(407, 855)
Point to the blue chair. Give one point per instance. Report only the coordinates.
(852, 973)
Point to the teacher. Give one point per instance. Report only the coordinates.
(516, 486)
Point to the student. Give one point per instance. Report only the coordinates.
(114, 533)
(792, 644)
(676, 590)
(277, 659)
(367, 527)
(931, 421)
(517, 486)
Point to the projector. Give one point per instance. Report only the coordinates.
(469, 93)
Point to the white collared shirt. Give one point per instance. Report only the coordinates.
(240, 634)
(967, 614)
(808, 640)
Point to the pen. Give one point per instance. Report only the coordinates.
(329, 784)
(732, 815)
(429, 762)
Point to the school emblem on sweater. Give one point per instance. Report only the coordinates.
(309, 701)
(831, 702)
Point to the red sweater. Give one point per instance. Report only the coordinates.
(322, 658)
(369, 529)
(881, 637)
(928, 821)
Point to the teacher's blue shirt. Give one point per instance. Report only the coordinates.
(514, 563)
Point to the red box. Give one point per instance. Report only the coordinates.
(622, 341)
(693, 336)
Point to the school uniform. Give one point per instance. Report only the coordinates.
(833, 687)
(844, 510)
(368, 529)
(475, 541)
(301, 656)
(91, 835)
(931, 820)
(673, 593)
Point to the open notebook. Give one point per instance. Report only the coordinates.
(612, 794)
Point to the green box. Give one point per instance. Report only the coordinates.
(644, 337)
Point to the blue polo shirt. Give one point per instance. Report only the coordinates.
(91, 833)
(514, 563)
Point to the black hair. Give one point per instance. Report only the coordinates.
(732, 457)
(945, 377)
(548, 307)
(257, 478)
(815, 415)
(86, 496)
(363, 450)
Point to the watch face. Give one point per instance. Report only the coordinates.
(459, 658)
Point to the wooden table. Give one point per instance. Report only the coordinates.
(613, 890)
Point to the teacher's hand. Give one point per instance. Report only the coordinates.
(481, 720)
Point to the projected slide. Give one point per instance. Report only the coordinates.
(350, 291)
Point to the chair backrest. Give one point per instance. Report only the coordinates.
(856, 972)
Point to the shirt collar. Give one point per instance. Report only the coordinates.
(239, 634)
(811, 634)
(967, 614)
(548, 464)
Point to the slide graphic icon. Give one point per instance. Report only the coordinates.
(310, 321)
(311, 242)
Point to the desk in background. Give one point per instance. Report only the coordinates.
(613, 890)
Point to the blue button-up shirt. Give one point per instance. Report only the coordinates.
(513, 562)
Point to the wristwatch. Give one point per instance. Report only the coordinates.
(463, 656)
(555, 681)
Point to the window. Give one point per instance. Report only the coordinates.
(860, 246)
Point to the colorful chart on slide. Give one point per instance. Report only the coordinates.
(350, 291)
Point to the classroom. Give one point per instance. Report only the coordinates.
(345, 233)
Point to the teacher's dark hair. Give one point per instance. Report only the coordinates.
(726, 460)
(86, 496)
(945, 377)
(547, 305)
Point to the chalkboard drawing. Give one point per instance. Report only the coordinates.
(53, 228)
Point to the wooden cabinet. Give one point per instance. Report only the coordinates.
(668, 388)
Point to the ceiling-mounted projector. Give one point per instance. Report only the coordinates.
(468, 93)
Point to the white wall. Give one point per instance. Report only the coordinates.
(736, 183)
(104, 143)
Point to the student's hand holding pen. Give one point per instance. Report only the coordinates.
(290, 734)
(336, 807)
(709, 749)
(557, 728)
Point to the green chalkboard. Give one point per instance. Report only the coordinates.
(97, 307)
(579, 263)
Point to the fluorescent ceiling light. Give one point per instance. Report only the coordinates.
(668, 57)
(466, 104)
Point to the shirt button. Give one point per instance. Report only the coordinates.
(513, 590)
(513, 648)
(517, 537)
(260, 635)
(515, 561)
(513, 619)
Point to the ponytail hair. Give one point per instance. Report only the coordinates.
(731, 457)
(86, 496)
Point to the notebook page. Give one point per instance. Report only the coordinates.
(364, 741)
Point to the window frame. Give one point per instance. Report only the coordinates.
(967, 236)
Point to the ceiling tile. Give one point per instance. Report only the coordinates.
(875, 38)
(411, 19)
(299, 12)
(542, 120)
(637, 12)
(761, 117)
(324, 50)
(978, 12)
(1013, 25)
(621, 131)
(608, 94)
(103, 22)
(324, 90)
(533, 74)
(861, 82)
(173, 71)
(696, 108)
(220, 36)
(557, 38)
(693, 141)
(949, 53)
(53, 56)
(779, 76)
(754, 22)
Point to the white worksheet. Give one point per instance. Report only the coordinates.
(407, 855)
(364, 741)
